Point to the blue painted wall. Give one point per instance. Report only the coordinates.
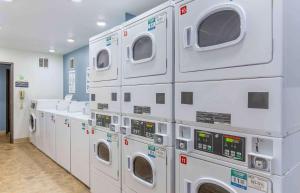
(2, 98)
(81, 57)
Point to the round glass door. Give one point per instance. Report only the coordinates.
(103, 152)
(103, 60)
(219, 28)
(142, 169)
(211, 188)
(142, 48)
(32, 123)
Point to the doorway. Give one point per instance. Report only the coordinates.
(6, 101)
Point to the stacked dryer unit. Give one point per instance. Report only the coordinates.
(237, 96)
(147, 102)
(105, 89)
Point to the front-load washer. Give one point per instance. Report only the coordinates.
(150, 107)
(196, 174)
(105, 58)
(32, 128)
(106, 154)
(262, 106)
(226, 39)
(105, 107)
(147, 47)
(266, 155)
(146, 167)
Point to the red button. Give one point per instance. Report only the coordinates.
(126, 142)
(183, 160)
(125, 33)
(93, 131)
(183, 10)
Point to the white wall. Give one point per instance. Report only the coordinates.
(43, 82)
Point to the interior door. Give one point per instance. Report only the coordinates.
(106, 156)
(144, 167)
(80, 152)
(63, 143)
(221, 34)
(144, 47)
(199, 176)
(106, 57)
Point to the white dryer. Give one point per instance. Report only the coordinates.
(231, 162)
(226, 39)
(147, 47)
(105, 58)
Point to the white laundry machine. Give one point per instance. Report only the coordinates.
(147, 165)
(212, 160)
(148, 139)
(225, 39)
(147, 47)
(80, 147)
(106, 140)
(32, 123)
(105, 58)
(49, 136)
(41, 105)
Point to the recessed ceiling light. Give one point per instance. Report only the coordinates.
(8, 0)
(70, 40)
(101, 23)
(77, 1)
(51, 50)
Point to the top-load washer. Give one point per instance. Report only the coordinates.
(226, 39)
(105, 58)
(147, 47)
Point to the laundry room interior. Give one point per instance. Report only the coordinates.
(149, 96)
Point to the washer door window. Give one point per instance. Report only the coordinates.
(219, 29)
(142, 169)
(211, 188)
(103, 152)
(145, 48)
(103, 60)
(32, 122)
(214, 34)
(142, 49)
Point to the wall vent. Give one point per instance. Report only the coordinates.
(72, 64)
(43, 62)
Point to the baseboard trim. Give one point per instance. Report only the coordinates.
(21, 140)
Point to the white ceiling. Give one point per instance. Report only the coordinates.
(38, 25)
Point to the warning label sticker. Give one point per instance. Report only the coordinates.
(239, 179)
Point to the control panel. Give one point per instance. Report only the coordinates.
(229, 146)
(103, 120)
(143, 128)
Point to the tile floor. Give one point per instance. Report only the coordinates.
(24, 169)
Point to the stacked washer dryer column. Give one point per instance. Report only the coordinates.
(105, 89)
(237, 96)
(147, 102)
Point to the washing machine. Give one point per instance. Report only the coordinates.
(147, 47)
(32, 123)
(226, 39)
(105, 106)
(105, 58)
(212, 160)
(148, 139)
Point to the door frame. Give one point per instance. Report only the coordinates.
(10, 98)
